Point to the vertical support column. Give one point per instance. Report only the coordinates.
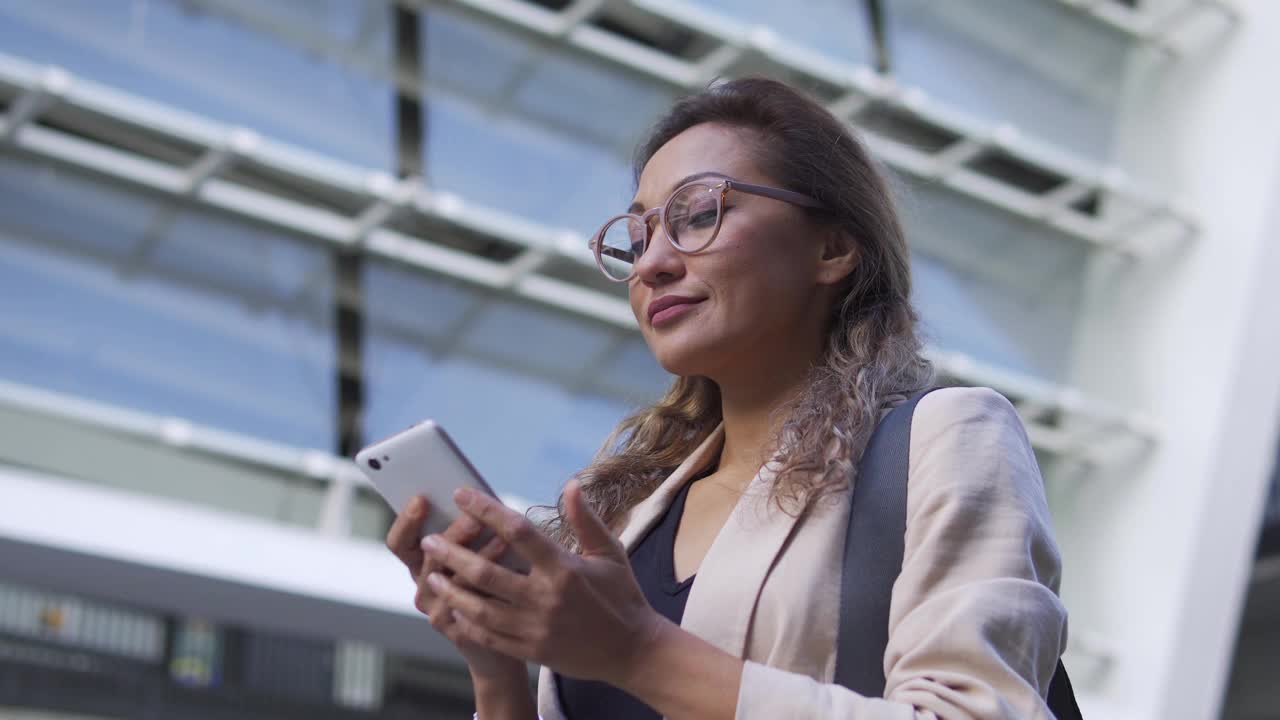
(410, 121)
(876, 22)
(349, 291)
(349, 264)
(1159, 553)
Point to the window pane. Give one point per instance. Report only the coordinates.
(514, 384)
(224, 65)
(836, 28)
(119, 297)
(991, 285)
(1038, 65)
(529, 130)
(1045, 68)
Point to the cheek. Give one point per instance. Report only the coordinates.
(762, 275)
(636, 298)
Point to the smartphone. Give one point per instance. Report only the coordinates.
(423, 460)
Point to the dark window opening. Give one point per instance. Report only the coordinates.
(1016, 172)
(906, 128)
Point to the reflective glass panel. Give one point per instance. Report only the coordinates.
(123, 298)
(227, 60)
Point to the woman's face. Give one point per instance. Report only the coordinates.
(760, 290)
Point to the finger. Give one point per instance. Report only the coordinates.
(437, 612)
(441, 617)
(593, 535)
(463, 529)
(423, 598)
(494, 549)
(402, 538)
(498, 618)
(476, 634)
(476, 571)
(510, 525)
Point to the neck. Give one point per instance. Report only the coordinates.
(753, 405)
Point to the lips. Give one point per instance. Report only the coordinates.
(667, 302)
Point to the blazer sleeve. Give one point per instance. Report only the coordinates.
(976, 627)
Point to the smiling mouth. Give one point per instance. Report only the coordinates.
(670, 313)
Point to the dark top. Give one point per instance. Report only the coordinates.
(653, 562)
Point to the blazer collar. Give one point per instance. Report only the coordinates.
(723, 599)
(648, 511)
(639, 519)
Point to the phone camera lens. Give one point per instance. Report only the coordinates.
(373, 463)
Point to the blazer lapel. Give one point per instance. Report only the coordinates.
(639, 520)
(723, 599)
(648, 511)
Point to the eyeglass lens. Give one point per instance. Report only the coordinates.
(692, 215)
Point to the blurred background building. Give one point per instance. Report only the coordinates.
(239, 238)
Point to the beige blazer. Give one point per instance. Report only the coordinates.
(975, 624)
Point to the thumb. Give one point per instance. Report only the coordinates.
(593, 537)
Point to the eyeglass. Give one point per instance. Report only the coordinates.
(691, 218)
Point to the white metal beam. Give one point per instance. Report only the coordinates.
(1036, 399)
(339, 474)
(1059, 200)
(577, 13)
(392, 197)
(1160, 29)
(1151, 28)
(240, 142)
(171, 556)
(35, 99)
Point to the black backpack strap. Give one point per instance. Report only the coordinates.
(873, 549)
(874, 545)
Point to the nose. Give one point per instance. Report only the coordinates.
(661, 263)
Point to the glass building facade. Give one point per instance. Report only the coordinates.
(163, 300)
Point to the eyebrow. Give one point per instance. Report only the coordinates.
(636, 207)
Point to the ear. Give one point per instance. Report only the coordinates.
(839, 257)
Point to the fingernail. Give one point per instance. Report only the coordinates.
(430, 543)
(463, 497)
(435, 581)
(415, 507)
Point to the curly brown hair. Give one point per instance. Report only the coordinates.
(872, 355)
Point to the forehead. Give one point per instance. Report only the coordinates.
(701, 148)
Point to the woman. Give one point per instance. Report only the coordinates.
(686, 577)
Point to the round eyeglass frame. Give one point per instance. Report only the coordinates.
(722, 188)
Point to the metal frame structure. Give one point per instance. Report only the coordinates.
(1132, 219)
(1131, 211)
(1059, 420)
(1153, 28)
(340, 475)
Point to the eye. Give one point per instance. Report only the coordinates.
(703, 218)
(699, 214)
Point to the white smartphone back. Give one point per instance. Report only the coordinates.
(423, 460)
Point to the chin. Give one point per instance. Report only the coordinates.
(684, 357)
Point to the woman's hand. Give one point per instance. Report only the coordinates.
(581, 615)
(402, 540)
